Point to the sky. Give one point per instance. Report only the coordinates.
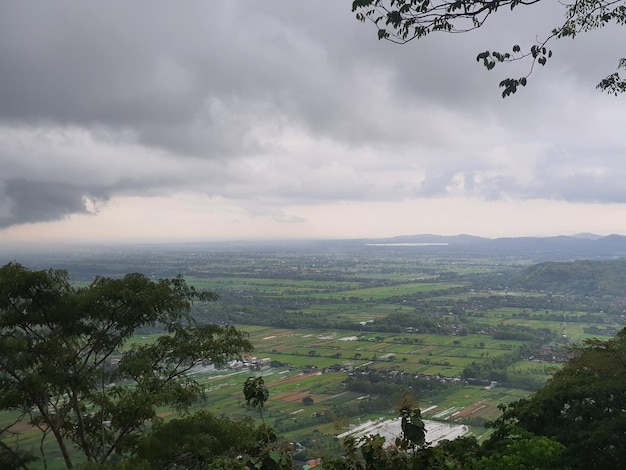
(149, 120)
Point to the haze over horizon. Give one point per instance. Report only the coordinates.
(12, 248)
(143, 121)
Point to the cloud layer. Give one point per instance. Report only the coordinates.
(277, 103)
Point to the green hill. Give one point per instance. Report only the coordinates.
(582, 277)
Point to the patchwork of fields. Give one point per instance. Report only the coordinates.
(345, 335)
(317, 364)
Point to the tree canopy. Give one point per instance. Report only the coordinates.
(401, 21)
(582, 406)
(67, 370)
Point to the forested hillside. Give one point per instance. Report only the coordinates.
(583, 277)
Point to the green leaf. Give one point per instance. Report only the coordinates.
(275, 456)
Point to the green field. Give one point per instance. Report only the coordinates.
(352, 330)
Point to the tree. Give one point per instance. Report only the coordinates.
(193, 441)
(273, 454)
(582, 406)
(525, 450)
(256, 394)
(401, 21)
(66, 370)
(203, 441)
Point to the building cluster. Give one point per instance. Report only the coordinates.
(250, 362)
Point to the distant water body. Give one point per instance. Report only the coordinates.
(407, 244)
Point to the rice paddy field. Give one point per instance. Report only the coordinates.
(316, 364)
(310, 370)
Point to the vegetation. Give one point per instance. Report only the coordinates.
(402, 21)
(62, 370)
(516, 449)
(256, 393)
(393, 323)
(582, 406)
(197, 441)
(580, 277)
(576, 421)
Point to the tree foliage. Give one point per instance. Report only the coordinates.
(582, 406)
(401, 21)
(374, 453)
(192, 442)
(203, 440)
(580, 277)
(256, 393)
(65, 368)
(413, 427)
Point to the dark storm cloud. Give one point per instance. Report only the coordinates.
(155, 71)
(32, 201)
(202, 97)
(165, 72)
(196, 80)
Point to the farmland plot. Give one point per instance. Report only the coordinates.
(390, 429)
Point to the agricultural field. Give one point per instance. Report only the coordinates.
(391, 428)
(340, 335)
(310, 369)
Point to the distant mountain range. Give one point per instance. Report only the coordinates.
(534, 249)
(537, 249)
(585, 245)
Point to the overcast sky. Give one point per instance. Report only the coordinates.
(149, 120)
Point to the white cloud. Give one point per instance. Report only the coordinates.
(250, 118)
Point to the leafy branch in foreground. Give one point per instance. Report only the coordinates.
(401, 21)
